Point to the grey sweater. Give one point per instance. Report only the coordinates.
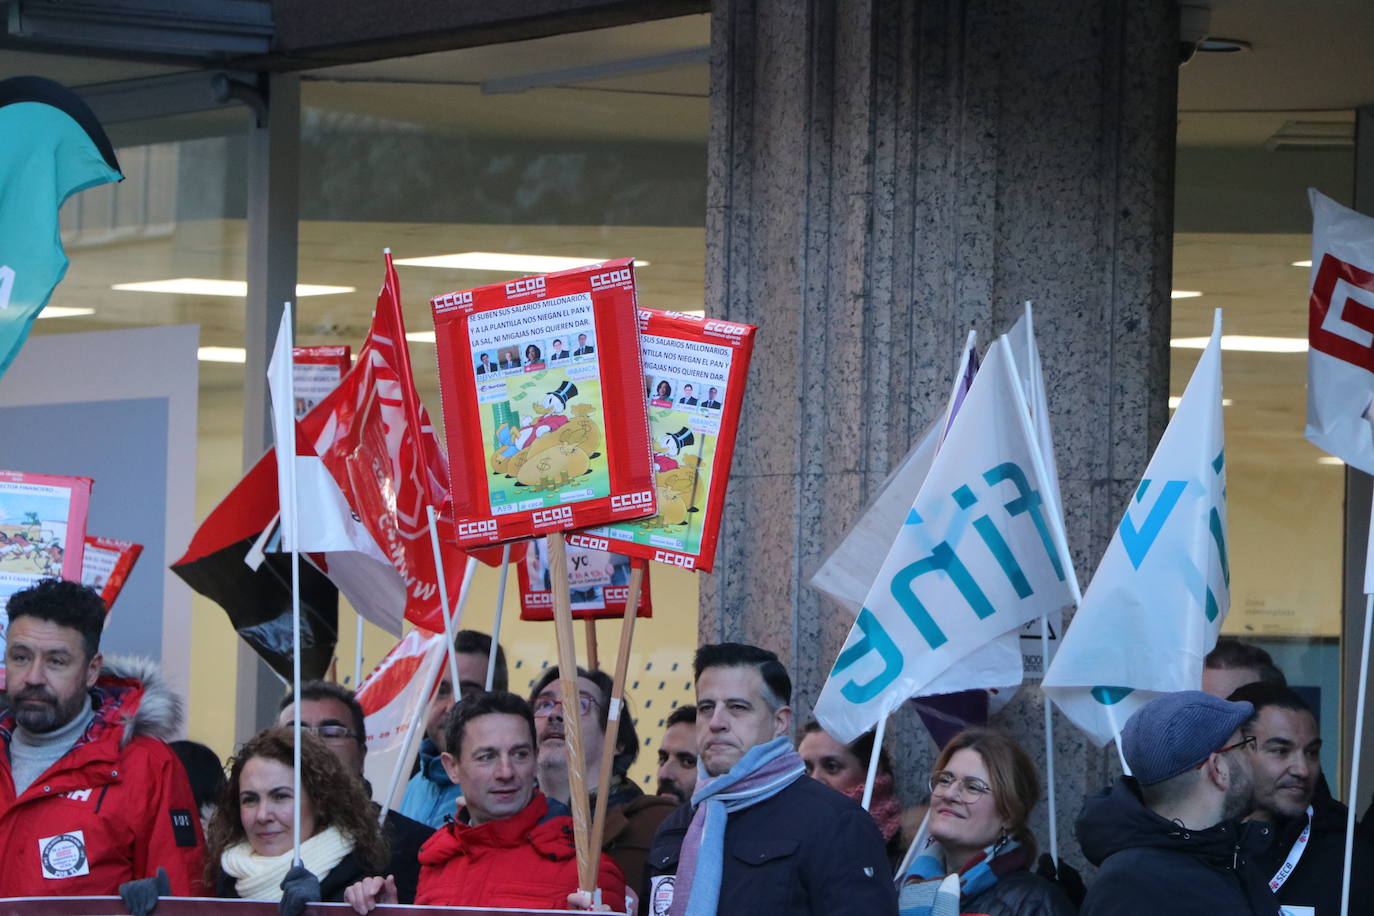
(31, 754)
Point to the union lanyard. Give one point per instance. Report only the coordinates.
(1294, 854)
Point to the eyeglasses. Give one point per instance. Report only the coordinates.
(329, 732)
(970, 787)
(1243, 742)
(543, 706)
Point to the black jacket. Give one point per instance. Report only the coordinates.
(1150, 865)
(405, 836)
(1020, 893)
(1316, 882)
(808, 850)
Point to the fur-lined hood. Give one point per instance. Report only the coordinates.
(160, 712)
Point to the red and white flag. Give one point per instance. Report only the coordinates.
(390, 696)
(374, 438)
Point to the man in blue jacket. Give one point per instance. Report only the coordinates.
(757, 836)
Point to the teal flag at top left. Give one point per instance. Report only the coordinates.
(52, 148)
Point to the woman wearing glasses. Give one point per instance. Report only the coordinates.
(249, 840)
(982, 790)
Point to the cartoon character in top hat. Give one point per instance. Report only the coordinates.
(669, 447)
(551, 415)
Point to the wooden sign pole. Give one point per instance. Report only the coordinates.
(593, 660)
(622, 665)
(572, 720)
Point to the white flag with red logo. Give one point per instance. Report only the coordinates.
(1340, 330)
(390, 695)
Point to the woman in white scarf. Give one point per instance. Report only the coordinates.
(248, 842)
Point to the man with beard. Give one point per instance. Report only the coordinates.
(90, 795)
(1167, 839)
(1306, 860)
(631, 816)
(677, 756)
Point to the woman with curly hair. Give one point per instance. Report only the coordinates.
(249, 840)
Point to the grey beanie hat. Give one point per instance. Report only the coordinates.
(1174, 733)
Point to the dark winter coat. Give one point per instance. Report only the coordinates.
(1149, 865)
(807, 851)
(113, 808)
(1316, 882)
(1020, 893)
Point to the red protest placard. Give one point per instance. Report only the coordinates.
(316, 371)
(42, 533)
(540, 380)
(694, 375)
(106, 564)
(598, 584)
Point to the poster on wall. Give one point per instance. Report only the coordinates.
(545, 425)
(316, 371)
(42, 533)
(598, 584)
(694, 374)
(106, 564)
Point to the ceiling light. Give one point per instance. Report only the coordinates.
(1184, 293)
(1307, 263)
(1330, 459)
(1214, 44)
(511, 263)
(420, 336)
(197, 286)
(1245, 344)
(60, 311)
(1175, 400)
(222, 355)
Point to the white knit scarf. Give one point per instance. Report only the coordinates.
(259, 877)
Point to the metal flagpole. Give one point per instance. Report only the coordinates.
(873, 760)
(1049, 740)
(358, 655)
(496, 625)
(286, 451)
(1355, 759)
(443, 597)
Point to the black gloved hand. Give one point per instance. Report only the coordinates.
(298, 889)
(1067, 877)
(140, 896)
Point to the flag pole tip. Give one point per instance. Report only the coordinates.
(386, 251)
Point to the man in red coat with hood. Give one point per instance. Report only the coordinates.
(504, 850)
(90, 796)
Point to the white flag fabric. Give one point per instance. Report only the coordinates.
(280, 382)
(1340, 355)
(977, 556)
(848, 572)
(390, 696)
(1161, 592)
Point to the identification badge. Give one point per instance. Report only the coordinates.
(661, 895)
(64, 855)
(1288, 909)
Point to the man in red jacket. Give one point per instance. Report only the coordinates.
(90, 795)
(504, 850)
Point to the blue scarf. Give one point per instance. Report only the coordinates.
(764, 771)
(924, 891)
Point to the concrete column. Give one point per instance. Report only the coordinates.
(884, 175)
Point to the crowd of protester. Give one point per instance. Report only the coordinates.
(1226, 810)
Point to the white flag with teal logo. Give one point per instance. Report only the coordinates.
(978, 555)
(1161, 592)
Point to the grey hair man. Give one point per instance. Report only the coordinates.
(1171, 830)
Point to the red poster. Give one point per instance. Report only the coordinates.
(106, 565)
(42, 533)
(546, 428)
(316, 371)
(694, 375)
(598, 584)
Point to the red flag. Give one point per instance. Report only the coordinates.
(375, 438)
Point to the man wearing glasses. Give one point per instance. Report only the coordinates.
(333, 713)
(631, 816)
(1168, 838)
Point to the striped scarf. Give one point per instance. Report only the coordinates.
(925, 885)
(764, 771)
